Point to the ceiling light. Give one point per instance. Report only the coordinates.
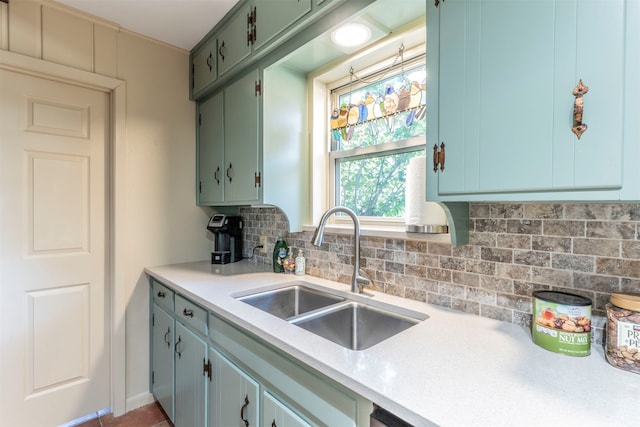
(351, 35)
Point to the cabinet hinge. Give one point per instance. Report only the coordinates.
(153, 377)
(153, 319)
(193, 76)
(206, 368)
(258, 87)
(258, 180)
(251, 27)
(438, 157)
(200, 187)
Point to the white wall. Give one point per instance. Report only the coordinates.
(163, 223)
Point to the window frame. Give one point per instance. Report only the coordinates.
(416, 56)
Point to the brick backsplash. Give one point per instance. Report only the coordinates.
(514, 249)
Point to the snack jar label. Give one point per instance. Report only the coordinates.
(629, 335)
(562, 328)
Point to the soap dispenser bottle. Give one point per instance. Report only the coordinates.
(300, 264)
(279, 254)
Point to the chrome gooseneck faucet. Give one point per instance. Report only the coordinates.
(360, 278)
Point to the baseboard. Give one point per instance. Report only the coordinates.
(139, 400)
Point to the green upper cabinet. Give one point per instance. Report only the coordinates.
(242, 149)
(204, 69)
(210, 146)
(234, 43)
(501, 77)
(228, 147)
(271, 17)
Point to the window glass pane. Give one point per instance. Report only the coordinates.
(391, 109)
(374, 186)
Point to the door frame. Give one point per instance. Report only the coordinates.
(116, 214)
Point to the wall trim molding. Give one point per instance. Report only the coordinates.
(117, 198)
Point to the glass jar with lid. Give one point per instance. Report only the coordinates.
(623, 331)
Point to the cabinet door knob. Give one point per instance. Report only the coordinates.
(242, 418)
(578, 108)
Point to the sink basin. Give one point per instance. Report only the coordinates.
(346, 321)
(291, 301)
(356, 326)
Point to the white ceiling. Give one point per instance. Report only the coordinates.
(181, 23)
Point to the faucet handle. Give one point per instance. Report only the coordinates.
(363, 280)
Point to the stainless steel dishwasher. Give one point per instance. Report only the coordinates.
(383, 418)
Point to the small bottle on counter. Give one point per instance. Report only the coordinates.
(623, 331)
(300, 264)
(289, 263)
(279, 254)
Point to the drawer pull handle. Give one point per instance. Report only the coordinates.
(229, 172)
(273, 424)
(246, 403)
(578, 107)
(187, 313)
(216, 175)
(161, 294)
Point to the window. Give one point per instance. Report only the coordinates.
(377, 125)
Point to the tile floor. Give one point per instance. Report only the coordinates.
(146, 416)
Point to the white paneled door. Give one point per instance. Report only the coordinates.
(54, 302)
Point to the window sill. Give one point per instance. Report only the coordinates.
(386, 232)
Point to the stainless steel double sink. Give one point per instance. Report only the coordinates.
(345, 320)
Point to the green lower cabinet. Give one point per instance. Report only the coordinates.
(163, 328)
(207, 372)
(234, 397)
(311, 398)
(277, 414)
(191, 380)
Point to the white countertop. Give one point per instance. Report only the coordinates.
(452, 369)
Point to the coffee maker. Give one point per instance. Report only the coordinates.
(227, 230)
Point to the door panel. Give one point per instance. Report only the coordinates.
(234, 394)
(274, 16)
(163, 359)
(54, 304)
(190, 380)
(241, 123)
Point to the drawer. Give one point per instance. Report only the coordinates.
(191, 314)
(162, 295)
